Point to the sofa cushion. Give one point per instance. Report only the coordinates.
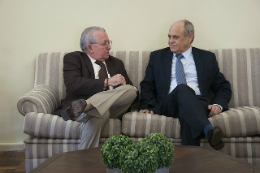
(113, 127)
(236, 122)
(241, 68)
(136, 124)
(52, 126)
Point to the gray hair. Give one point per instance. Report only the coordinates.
(189, 28)
(88, 37)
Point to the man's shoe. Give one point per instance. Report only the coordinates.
(219, 145)
(215, 136)
(75, 109)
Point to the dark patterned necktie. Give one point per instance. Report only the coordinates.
(180, 75)
(102, 74)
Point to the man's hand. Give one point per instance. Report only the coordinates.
(146, 111)
(214, 110)
(116, 80)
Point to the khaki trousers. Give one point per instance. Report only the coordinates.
(108, 104)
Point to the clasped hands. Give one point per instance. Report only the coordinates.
(116, 80)
(214, 110)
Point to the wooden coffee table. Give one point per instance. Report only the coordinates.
(186, 159)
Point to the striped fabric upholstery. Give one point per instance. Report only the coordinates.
(238, 125)
(50, 135)
(51, 126)
(49, 147)
(41, 99)
(135, 64)
(113, 127)
(49, 88)
(37, 150)
(54, 127)
(36, 140)
(244, 148)
(240, 67)
(135, 124)
(49, 71)
(236, 122)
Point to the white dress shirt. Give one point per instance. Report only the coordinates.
(97, 67)
(189, 70)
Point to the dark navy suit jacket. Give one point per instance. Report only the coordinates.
(156, 84)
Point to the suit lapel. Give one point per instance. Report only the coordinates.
(167, 67)
(89, 66)
(199, 65)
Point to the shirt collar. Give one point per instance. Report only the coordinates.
(91, 59)
(186, 54)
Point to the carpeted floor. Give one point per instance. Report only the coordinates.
(12, 162)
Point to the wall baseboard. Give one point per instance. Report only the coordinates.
(12, 146)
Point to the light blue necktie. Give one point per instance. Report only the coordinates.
(179, 71)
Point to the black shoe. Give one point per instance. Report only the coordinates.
(75, 110)
(215, 136)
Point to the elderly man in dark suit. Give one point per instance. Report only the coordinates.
(97, 86)
(184, 82)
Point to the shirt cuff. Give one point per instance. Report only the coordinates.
(219, 107)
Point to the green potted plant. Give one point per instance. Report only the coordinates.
(112, 148)
(152, 154)
(140, 157)
(166, 149)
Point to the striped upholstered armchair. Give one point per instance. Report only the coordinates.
(49, 134)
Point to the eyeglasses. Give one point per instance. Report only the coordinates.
(105, 44)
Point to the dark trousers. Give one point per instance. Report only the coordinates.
(192, 111)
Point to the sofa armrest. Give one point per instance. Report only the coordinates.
(51, 126)
(238, 122)
(41, 99)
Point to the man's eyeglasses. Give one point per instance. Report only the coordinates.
(105, 44)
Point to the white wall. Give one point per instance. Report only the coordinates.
(30, 27)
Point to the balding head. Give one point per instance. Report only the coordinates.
(181, 35)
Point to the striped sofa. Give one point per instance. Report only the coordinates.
(49, 134)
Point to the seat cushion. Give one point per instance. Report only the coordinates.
(54, 127)
(51, 126)
(138, 125)
(236, 122)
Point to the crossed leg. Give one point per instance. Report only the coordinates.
(108, 104)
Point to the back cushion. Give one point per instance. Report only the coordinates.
(240, 67)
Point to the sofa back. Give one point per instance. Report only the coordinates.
(240, 66)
